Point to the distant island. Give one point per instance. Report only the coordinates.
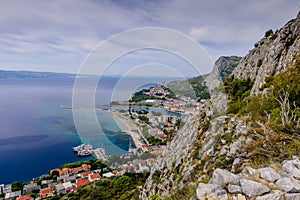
(31, 74)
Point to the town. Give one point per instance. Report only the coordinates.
(150, 130)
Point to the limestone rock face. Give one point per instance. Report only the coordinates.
(274, 195)
(269, 174)
(271, 55)
(211, 192)
(253, 188)
(224, 177)
(233, 189)
(295, 196)
(292, 167)
(289, 185)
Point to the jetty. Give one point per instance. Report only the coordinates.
(100, 153)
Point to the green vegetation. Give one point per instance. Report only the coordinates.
(155, 141)
(237, 90)
(274, 115)
(120, 187)
(15, 186)
(95, 164)
(269, 33)
(194, 88)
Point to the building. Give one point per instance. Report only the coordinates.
(94, 177)
(46, 192)
(6, 189)
(63, 188)
(25, 197)
(85, 174)
(108, 175)
(81, 182)
(12, 195)
(30, 187)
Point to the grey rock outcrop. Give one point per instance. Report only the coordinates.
(253, 188)
(273, 195)
(292, 167)
(211, 191)
(295, 196)
(289, 185)
(271, 55)
(224, 177)
(234, 189)
(269, 174)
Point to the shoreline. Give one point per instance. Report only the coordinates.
(130, 127)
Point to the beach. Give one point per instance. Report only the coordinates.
(130, 127)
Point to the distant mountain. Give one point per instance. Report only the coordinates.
(31, 74)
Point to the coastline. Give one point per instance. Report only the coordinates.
(130, 127)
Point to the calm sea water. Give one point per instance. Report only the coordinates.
(37, 135)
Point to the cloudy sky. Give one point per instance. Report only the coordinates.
(58, 35)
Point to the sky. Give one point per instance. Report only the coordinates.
(59, 35)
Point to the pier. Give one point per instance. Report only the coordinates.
(100, 153)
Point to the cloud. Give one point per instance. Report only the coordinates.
(57, 35)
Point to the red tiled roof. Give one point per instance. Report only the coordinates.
(143, 163)
(94, 176)
(81, 182)
(65, 169)
(114, 171)
(76, 169)
(86, 166)
(24, 197)
(44, 192)
(84, 174)
(152, 159)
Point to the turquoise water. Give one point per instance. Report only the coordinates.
(37, 135)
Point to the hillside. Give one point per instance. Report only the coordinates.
(252, 152)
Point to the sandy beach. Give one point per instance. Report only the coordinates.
(130, 127)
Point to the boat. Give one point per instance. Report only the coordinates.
(83, 150)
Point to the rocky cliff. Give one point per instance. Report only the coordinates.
(218, 156)
(271, 54)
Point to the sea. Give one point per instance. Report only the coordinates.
(37, 134)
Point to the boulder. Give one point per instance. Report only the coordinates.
(292, 167)
(292, 196)
(241, 197)
(234, 189)
(289, 185)
(249, 171)
(211, 192)
(269, 174)
(223, 177)
(273, 195)
(253, 188)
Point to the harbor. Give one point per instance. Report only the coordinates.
(100, 153)
(83, 150)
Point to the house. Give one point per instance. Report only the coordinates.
(46, 192)
(60, 189)
(12, 195)
(86, 167)
(68, 186)
(94, 177)
(25, 197)
(151, 161)
(108, 175)
(115, 172)
(30, 187)
(6, 188)
(76, 170)
(85, 174)
(81, 182)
